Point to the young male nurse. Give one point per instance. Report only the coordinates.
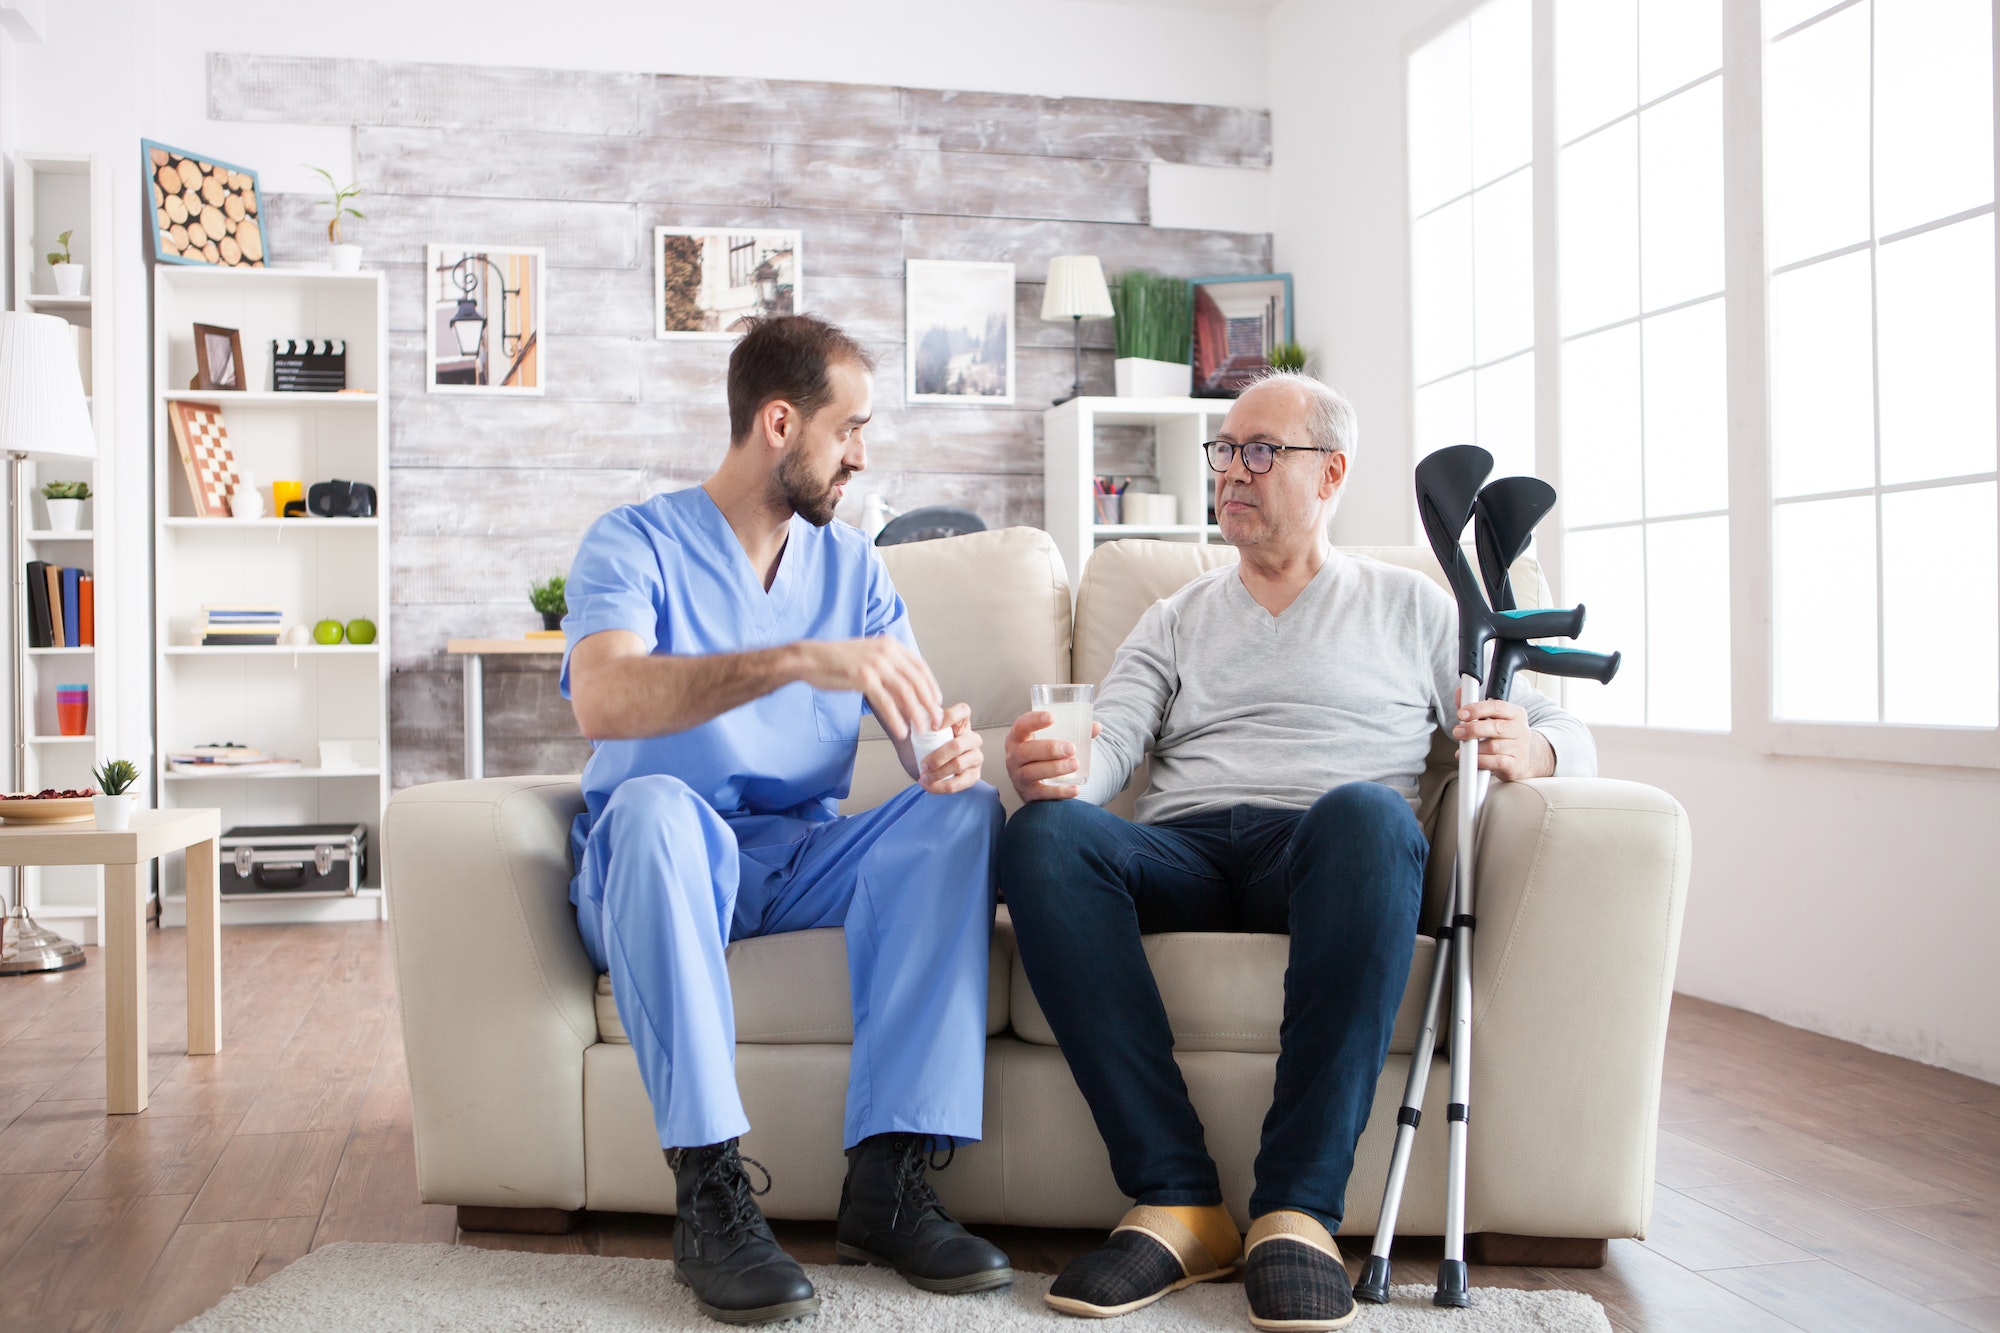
(722, 643)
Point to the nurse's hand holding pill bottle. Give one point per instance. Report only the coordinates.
(937, 744)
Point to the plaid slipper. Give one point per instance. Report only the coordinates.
(1294, 1275)
(1150, 1253)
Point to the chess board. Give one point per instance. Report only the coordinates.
(204, 446)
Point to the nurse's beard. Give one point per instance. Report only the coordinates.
(810, 498)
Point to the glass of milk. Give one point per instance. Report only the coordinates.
(1069, 705)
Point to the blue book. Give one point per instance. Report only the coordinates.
(72, 627)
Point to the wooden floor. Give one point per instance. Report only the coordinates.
(1804, 1183)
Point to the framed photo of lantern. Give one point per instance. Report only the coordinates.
(205, 211)
(483, 319)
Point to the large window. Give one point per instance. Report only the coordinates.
(1878, 150)
(1472, 257)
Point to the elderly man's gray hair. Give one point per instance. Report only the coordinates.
(1330, 422)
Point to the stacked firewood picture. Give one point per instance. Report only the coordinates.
(205, 212)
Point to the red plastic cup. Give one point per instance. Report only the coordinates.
(73, 710)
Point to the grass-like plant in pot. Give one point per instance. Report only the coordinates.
(547, 597)
(65, 503)
(1289, 356)
(1153, 317)
(115, 800)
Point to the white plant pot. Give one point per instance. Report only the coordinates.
(346, 258)
(1141, 377)
(69, 279)
(64, 515)
(114, 813)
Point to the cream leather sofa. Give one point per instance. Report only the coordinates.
(528, 1098)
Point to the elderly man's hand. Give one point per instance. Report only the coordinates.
(1029, 760)
(1507, 748)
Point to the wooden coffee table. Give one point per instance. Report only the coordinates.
(124, 857)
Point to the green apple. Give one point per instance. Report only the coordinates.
(328, 631)
(361, 631)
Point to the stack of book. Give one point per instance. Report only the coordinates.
(61, 607)
(241, 760)
(236, 626)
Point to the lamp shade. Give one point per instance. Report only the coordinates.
(1076, 289)
(42, 409)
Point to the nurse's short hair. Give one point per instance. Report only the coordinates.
(786, 356)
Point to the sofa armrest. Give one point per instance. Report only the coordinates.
(1580, 884)
(496, 990)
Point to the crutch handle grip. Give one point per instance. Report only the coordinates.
(1559, 623)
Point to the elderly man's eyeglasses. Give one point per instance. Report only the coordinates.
(1257, 455)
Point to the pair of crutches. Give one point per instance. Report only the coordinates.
(1449, 495)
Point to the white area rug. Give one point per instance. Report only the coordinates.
(448, 1288)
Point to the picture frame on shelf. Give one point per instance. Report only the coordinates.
(1238, 320)
(483, 319)
(710, 282)
(204, 210)
(959, 330)
(218, 359)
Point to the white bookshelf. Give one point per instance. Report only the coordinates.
(1070, 461)
(54, 193)
(283, 700)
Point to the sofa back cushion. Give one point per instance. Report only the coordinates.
(991, 611)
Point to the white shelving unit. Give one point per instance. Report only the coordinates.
(282, 700)
(1069, 434)
(54, 193)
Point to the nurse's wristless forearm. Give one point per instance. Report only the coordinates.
(621, 692)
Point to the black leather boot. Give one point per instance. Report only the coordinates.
(723, 1248)
(889, 1216)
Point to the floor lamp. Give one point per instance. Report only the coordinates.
(43, 414)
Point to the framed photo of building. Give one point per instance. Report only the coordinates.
(709, 282)
(483, 319)
(959, 327)
(1237, 321)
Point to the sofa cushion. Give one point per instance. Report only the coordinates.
(991, 612)
(1226, 992)
(792, 989)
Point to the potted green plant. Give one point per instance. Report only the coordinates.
(115, 800)
(69, 273)
(346, 258)
(1289, 356)
(1152, 317)
(64, 500)
(547, 597)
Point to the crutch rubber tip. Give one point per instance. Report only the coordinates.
(1374, 1284)
(1454, 1285)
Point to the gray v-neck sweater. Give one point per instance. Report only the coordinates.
(1237, 706)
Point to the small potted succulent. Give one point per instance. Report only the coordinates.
(65, 504)
(346, 258)
(69, 274)
(115, 800)
(1153, 317)
(547, 597)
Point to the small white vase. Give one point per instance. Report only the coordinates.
(114, 813)
(1142, 377)
(346, 258)
(69, 279)
(64, 515)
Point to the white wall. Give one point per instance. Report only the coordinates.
(1848, 898)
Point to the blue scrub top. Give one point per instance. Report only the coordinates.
(671, 571)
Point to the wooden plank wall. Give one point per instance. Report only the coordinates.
(487, 493)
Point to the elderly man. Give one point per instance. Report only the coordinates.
(723, 641)
(1287, 703)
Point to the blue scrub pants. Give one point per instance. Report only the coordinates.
(664, 883)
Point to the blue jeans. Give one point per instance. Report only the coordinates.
(1344, 879)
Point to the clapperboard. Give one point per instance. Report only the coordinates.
(309, 365)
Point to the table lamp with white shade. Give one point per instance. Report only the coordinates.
(1076, 291)
(43, 414)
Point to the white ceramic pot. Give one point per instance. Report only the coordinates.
(346, 258)
(69, 279)
(64, 515)
(1141, 377)
(114, 813)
